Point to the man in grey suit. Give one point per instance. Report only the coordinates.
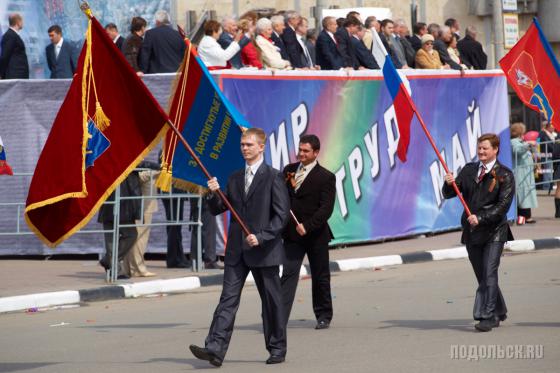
(260, 197)
(61, 57)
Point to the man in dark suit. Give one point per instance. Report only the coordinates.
(304, 60)
(344, 40)
(327, 53)
(488, 188)
(471, 51)
(364, 55)
(440, 45)
(418, 30)
(114, 35)
(163, 48)
(229, 28)
(387, 38)
(278, 27)
(312, 190)
(13, 60)
(260, 197)
(61, 57)
(290, 38)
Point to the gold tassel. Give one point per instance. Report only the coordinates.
(189, 187)
(100, 119)
(164, 179)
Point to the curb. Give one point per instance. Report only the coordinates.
(33, 302)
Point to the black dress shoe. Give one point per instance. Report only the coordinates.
(275, 359)
(104, 265)
(322, 324)
(205, 354)
(486, 325)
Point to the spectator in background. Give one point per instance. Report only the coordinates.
(371, 26)
(13, 60)
(163, 48)
(546, 136)
(523, 169)
(471, 50)
(207, 234)
(440, 45)
(427, 57)
(354, 14)
(387, 37)
(133, 43)
(114, 35)
(344, 37)
(304, 59)
(250, 55)
(290, 38)
(433, 29)
(327, 53)
(340, 22)
(419, 30)
(278, 26)
(61, 57)
(310, 43)
(454, 53)
(556, 176)
(364, 55)
(270, 53)
(229, 30)
(211, 53)
(402, 32)
(453, 25)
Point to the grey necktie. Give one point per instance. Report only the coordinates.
(248, 179)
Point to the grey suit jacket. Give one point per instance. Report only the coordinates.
(265, 211)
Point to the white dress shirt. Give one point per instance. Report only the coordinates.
(305, 50)
(487, 167)
(212, 53)
(57, 48)
(253, 170)
(305, 170)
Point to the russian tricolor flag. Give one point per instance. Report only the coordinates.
(399, 88)
(5, 168)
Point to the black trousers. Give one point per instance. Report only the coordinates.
(175, 253)
(485, 259)
(267, 280)
(207, 233)
(318, 255)
(127, 237)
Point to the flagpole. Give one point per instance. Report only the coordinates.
(434, 146)
(208, 176)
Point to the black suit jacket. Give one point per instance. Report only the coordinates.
(280, 44)
(312, 204)
(225, 40)
(162, 51)
(327, 54)
(119, 43)
(364, 55)
(472, 53)
(64, 66)
(347, 50)
(489, 200)
(13, 61)
(390, 51)
(415, 42)
(441, 48)
(409, 51)
(264, 210)
(292, 46)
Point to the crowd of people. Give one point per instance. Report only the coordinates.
(283, 41)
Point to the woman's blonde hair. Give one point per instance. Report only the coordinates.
(517, 130)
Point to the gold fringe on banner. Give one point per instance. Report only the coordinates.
(100, 118)
(163, 182)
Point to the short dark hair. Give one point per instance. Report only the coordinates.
(137, 24)
(340, 21)
(311, 140)
(492, 138)
(386, 21)
(353, 14)
(351, 21)
(450, 22)
(55, 28)
(211, 26)
(418, 26)
(111, 26)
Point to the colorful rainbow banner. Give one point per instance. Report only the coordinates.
(378, 197)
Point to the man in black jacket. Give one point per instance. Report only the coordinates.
(61, 56)
(278, 27)
(259, 195)
(13, 60)
(290, 38)
(488, 188)
(344, 40)
(471, 50)
(418, 30)
(440, 45)
(163, 48)
(312, 193)
(364, 55)
(327, 53)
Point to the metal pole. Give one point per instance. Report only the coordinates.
(113, 272)
(498, 30)
(321, 4)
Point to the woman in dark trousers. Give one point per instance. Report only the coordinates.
(488, 188)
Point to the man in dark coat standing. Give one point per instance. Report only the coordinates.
(163, 48)
(440, 45)
(327, 54)
(312, 190)
(13, 60)
(278, 27)
(290, 38)
(61, 57)
(260, 197)
(343, 38)
(364, 55)
(471, 50)
(229, 30)
(488, 188)
(114, 35)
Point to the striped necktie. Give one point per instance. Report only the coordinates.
(299, 177)
(482, 173)
(248, 179)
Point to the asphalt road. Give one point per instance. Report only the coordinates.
(410, 318)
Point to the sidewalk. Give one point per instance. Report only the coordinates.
(21, 277)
